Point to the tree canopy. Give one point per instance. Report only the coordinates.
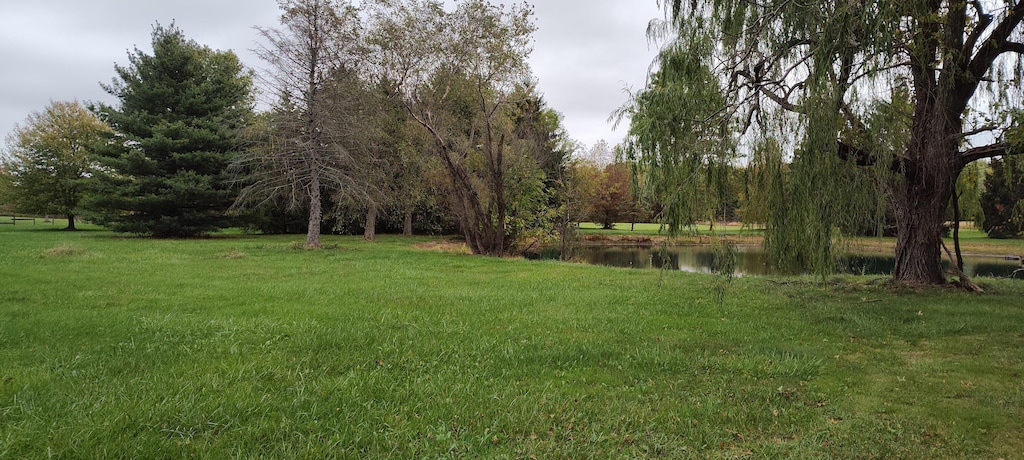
(463, 77)
(49, 157)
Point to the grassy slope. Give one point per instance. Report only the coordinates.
(241, 346)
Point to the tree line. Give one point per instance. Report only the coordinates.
(414, 117)
(390, 109)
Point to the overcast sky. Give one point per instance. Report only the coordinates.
(586, 51)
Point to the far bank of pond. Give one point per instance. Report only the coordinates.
(751, 260)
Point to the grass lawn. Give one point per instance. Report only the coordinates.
(241, 346)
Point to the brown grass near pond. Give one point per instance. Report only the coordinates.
(445, 246)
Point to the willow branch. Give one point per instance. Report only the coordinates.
(984, 152)
(978, 130)
(1013, 47)
(984, 20)
(996, 43)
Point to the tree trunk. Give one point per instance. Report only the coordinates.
(316, 213)
(918, 242)
(921, 196)
(407, 223)
(71, 223)
(370, 229)
(956, 230)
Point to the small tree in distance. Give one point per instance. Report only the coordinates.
(1003, 201)
(49, 157)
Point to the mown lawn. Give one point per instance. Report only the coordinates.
(242, 346)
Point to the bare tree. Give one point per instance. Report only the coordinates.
(309, 146)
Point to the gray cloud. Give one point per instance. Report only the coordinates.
(586, 52)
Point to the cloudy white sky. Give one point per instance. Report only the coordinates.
(586, 51)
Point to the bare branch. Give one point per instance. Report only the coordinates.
(996, 43)
(1014, 47)
(984, 152)
(984, 20)
(978, 130)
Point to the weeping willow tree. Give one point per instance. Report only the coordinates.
(679, 142)
(886, 99)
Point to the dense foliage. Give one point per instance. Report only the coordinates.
(1003, 201)
(176, 128)
(49, 158)
(873, 106)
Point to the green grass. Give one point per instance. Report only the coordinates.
(241, 346)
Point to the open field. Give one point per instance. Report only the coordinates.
(242, 346)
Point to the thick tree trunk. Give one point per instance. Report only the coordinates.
(922, 192)
(316, 213)
(71, 223)
(919, 240)
(407, 223)
(370, 229)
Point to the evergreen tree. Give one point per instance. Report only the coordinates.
(1003, 201)
(177, 126)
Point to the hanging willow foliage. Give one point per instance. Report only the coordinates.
(847, 110)
(678, 141)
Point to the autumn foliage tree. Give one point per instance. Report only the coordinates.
(49, 158)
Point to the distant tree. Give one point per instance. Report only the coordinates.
(601, 154)
(317, 131)
(614, 197)
(48, 158)
(969, 188)
(1003, 200)
(177, 128)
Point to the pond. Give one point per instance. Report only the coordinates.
(751, 260)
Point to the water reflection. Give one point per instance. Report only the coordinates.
(751, 260)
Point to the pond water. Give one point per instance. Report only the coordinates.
(751, 260)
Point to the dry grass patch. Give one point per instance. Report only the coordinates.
(236, 254)
(446, 246)
(64, 250)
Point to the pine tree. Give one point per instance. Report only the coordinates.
(1003, 201)
(181, 110)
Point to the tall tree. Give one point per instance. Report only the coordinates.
(177, 124)
(49, 157)
(821, 69)
(458, 74)
(319, 126)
